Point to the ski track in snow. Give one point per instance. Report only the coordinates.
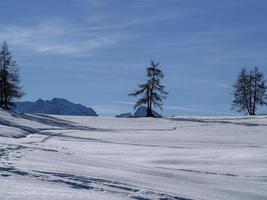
(73, 181)
(164, 159)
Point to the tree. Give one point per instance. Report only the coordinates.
(152, 92)
(10, 90)
(249, 91)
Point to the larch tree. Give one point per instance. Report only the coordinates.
(10, 90)
(249, 91)
(152, 92)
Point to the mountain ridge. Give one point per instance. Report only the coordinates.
(55, 106)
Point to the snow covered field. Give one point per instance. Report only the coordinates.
(63, 157)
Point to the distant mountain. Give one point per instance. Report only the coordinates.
(140, 112)
(125, 115)
(56, 106)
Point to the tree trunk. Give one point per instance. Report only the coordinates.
(247, 96)
(6, 104)
(150, 114)
(147, 110)
(5, 83)
(255, 95)
(1, 98)
(148, 102)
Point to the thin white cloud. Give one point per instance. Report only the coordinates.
(197, 82)
(59, 38)
(223, 85)
(132, 22)
(96, 31)
(195, 110)
(125, 102)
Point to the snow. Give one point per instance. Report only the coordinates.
(181, 158)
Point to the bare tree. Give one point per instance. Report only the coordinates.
(249, 91)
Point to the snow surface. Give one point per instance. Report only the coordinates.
(65, 157)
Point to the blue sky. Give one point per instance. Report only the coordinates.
(95, 52)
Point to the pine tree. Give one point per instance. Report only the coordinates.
(153, 92)
(249, 91)
(10, 90)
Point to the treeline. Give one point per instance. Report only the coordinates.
(249, 91)
(10, 90)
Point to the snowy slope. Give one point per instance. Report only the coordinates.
(71, 157)
(57, 106)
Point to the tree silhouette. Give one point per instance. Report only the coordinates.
(249, 91)
(10, 90)
(152, 92)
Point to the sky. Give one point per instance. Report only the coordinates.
(95, 52)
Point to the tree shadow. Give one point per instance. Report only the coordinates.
(46, 120)
(211, 121)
